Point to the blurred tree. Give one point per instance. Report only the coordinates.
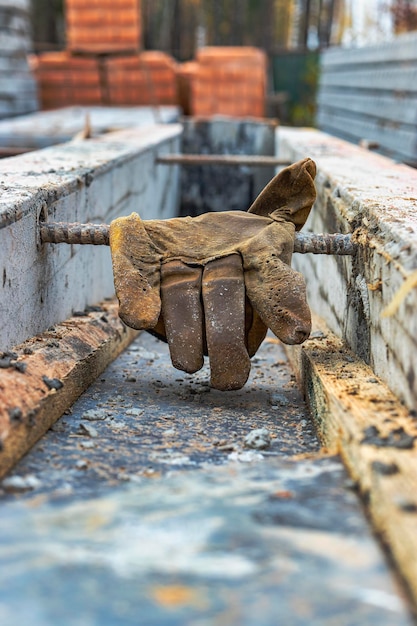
(178, 26)
(326, 14)
(405, 15)
(305, 24)
(284, 15)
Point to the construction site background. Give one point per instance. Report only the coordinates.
(232, 57)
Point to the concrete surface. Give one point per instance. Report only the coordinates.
(18, 92)
(375, 198)
(144, 505)
(46, 128)
(357, 416)
(88, 181)
(44, 375)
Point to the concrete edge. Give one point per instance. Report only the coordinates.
(43, 376)
(373, 197)
(44, 176)
(94, 180)
(357, 416)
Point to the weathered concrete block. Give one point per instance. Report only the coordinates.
(87, 181)
(18, 5)
(374, 197)
(46, 128)
(218, 187)
(17, 85)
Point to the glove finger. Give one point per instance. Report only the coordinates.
(136, 269)
(278, 293)
(159, 331)
(183, 315)
(224, 309)
(255, 328)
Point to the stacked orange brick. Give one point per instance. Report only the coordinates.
(103, 63)
(103, 26)
(64, 80)
(225, 80)
(147, 78)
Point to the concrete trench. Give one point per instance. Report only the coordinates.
(144, 503)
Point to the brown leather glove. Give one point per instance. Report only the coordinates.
(213, 284)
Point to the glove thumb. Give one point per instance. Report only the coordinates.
(136, 268)
(289, 195)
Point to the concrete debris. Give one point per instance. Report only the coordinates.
(142, 353)
(278, 399)
(53, 383)
(258, 439)
(116, 425)
(18, 484)
(88, 430)
(135, 411)
(87, 444)
(94, 415)
(248, 456)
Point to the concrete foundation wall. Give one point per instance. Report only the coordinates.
(218, 187)
(46, 128)
(88, 181)
(18, 92)
(374, 197)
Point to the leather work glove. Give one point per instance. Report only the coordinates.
(215, 283)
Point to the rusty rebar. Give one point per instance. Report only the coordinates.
(221, 159)
(334, 244)
(98, 235)
(64, 232)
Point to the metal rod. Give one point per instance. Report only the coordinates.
(64, 232)
(335, 244)
(98, 235)
(221, 159)
(13, 151)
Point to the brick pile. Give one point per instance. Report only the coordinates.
(103, 63)
(64, 79)
(147, 78)
(224, 80)
(103, 26)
